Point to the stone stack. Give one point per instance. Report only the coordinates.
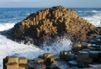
(52, 22)
(48, 59)
(45, 61)
(15, 63)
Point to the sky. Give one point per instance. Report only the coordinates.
(50, 3)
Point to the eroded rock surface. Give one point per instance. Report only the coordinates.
(50, 23)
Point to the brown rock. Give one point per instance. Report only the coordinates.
(23, 61)
(47, 55)
(22, 66)
(12, 66)
(52, 22)
(39, 61)
(13, 60)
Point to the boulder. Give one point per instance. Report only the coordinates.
(95, 55)
(50, 23)
(47, 55)
(66, 55)
(83, 59)
(39, 61)
(47, 59)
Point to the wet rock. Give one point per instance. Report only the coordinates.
(89, 45)
(66, 55)
(31, 64)
(39, 61)
(47, 55)
(83, 59)
(47, 59)
(95, 55)
(96, 30)
(77, 47)
(72, 63)
(39, 66)
(53, 66)
(86, 50)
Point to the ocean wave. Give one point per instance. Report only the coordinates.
(95, 19)
(60, 44)
(6, 26)
(9, 47)
(96, 11)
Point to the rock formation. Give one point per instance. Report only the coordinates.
(50, 23)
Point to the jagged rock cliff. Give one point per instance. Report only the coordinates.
(50, 23)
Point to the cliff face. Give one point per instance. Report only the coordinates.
(50, 23)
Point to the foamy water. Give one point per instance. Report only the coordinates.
(6, 26)
(95, 19)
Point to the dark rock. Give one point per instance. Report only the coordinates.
(72, 63)
(39, 61)
(84, 57)
(39, 66)
(66, 55)
(95, 55)
(53, 66)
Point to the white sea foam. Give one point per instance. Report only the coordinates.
(60, 44)
(9, 47)
(95, 19)
(95, 11)
(6, 26)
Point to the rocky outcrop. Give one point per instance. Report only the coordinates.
(81, 56)
(50, 23)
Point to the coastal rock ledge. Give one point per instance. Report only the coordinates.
(51, 23)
